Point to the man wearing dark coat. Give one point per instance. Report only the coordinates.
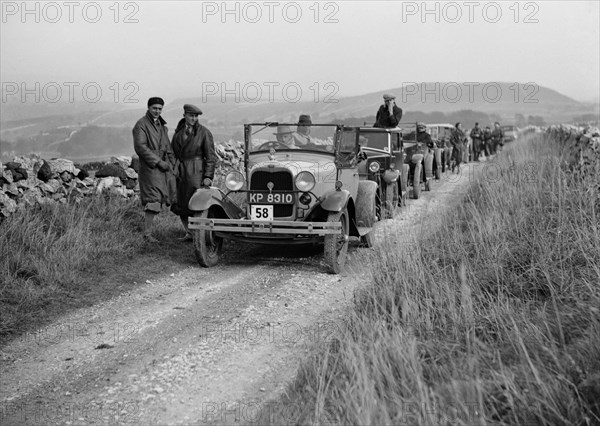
(151, 144)
(487, 141)
(388, 115)
(458, 140)
(497, 137)
(424, 137)
(477, 137)
(194, 150)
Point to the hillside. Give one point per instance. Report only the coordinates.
(100, 130)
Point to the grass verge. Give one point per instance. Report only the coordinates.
(59, 257)
(494, 318)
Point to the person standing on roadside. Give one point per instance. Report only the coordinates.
(477, 138)
(497, 137)
(487, 141)
(194, 150)
(155, 177)
(458, 140)
(388, 115)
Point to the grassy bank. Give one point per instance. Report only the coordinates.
(492, 319)
(56, 258)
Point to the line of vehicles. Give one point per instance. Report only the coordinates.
(327, 192)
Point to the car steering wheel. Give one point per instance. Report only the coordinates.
(274, 145)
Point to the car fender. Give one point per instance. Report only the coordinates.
(416, 158)
(391, 176)
(335, 201)
(204, 198)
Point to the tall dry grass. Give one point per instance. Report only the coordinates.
(494, 318)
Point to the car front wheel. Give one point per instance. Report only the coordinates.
(336, 245)
(207, 246)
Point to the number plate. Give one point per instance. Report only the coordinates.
(271, 198)
(261, 212)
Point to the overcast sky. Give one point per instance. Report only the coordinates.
(175, 49)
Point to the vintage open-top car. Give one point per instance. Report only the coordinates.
(382, 161)
(441, 135)
(295, 189)
(510, 132)
(420, 159)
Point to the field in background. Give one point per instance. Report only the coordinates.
(492, 319)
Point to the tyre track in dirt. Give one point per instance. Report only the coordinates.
(196, 341)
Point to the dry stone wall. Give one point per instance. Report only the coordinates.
(30, 180)
(582, 144)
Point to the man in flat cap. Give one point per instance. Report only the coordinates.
(388, 115)
(151, 143)
(194, 150)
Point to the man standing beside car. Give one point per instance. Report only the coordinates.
(487, 141)
(497, 137)
(458, 140)
(388, 115)
(477, 138)
(194, 150)
(155, 177)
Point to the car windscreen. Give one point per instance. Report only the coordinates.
(374, 140)
(445, 132)
(286, 137)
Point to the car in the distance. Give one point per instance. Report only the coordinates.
(382, 161)
(419, 158)
(510, 132)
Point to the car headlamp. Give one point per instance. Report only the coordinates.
(234, 181)
(374, 167)
(305, 181)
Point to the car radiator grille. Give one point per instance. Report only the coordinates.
(282, 181)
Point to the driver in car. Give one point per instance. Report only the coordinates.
(285, 136)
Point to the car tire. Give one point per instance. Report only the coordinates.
(336, 245)
(207, 246)
(404, 180)
(368, 240)
(390, 207)
(417, 181)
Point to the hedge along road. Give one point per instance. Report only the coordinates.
(201, 344)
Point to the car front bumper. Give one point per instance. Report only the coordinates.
(246, 226)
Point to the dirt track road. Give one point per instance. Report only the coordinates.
(197, 345)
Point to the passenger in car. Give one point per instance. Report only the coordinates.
(302, 136)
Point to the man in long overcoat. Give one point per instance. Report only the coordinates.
(458, 140)
(194, 150)
(151, 143)
(477, 138)
(497, 137)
